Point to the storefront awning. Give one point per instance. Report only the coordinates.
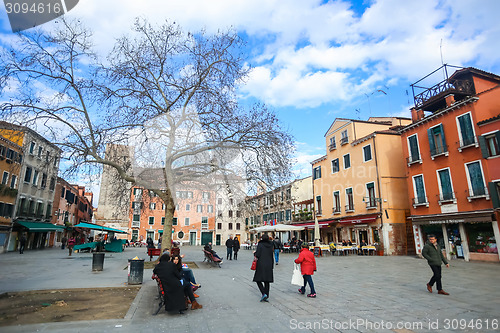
(360, 219)
(98, 227)
(308, 225)
(40, 226)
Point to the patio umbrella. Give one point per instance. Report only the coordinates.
(316, 231)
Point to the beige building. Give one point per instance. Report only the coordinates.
(360, 188)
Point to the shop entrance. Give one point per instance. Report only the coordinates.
(433, 229)
(455, 240)
(363, 236)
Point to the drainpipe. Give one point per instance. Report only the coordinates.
(385, 240)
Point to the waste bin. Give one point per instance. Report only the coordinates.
(97, 261)
(135, 270)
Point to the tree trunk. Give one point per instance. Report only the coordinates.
(166, 238)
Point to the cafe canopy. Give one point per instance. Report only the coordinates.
(99, 227)
(277, 227)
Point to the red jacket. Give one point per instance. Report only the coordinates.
(306, 261)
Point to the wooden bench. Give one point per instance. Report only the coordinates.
(209, 258)
(161, 293)
(153, 252)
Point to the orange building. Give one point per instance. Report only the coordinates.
(194, 217)
(451, 184)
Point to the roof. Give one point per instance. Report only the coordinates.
(369, 136)
(373, 122)
(24, 129)
(489, 120)
(475, 71)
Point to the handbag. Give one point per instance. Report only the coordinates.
(297, 278)
(254, 264)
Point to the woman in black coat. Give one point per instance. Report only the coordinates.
(170, 277)
(265, 264)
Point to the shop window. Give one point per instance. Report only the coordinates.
(481, 238)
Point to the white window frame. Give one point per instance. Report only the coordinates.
(149, 220)
(338, 166)
(13, 181)
(188, 207)
(34, 181)
(447, 151)
(368, 195)
(441, 196)
(415, 195)
(333, 143)
(371, 153)
(471, 194)
(459, 130)
(186, 221)
(347, 199)
(7, 179)
(343, 161)
(409, 150)
(339, 208)
(31, 150)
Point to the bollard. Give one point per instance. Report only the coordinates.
(97, 261)
(135, 270)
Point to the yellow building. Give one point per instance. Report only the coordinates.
(360, 184)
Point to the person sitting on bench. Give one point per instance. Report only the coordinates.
(208, 248)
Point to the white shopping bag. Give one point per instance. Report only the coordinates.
(297, 278)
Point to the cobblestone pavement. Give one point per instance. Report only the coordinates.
(355, 294)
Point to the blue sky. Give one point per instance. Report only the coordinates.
(316, 60)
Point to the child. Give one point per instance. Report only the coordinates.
(307, 268)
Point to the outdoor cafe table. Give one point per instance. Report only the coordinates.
(324, 248)
(371, 249)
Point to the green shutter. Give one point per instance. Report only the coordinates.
(484, 147)
(494, 194)
(442, 137)
(432, 144)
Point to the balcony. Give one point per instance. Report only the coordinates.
(336, 210)
(349, 208)
(467, 142)
(413, 159)
(344, 140)
(477, 193)
(319, 213)
(371, 202)
(420, 201)
(332, 146)
(446, 198)
(136, 224)
(439, 151)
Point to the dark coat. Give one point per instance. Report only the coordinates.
(236, 245)
(229, 243)
(434, 256)
(277, 244)
(170, 278)
(306, 261)
(265, 262)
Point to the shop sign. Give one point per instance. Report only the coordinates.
(446, 221)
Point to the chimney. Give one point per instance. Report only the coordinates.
(416, 115)
(450, 99)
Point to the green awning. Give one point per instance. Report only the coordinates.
(98, 227)
(40, 226)
(160, 231)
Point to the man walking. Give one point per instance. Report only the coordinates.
(229, 246)
(22, 243)
(432, 252)
(278, 247)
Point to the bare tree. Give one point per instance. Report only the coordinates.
(169, 96)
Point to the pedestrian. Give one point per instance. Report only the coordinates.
(264, 271)
(307, 268)
(236, 247)
(278, 247)
(159, 242)
(432, 252)
(63, 242)
(71, 244)
(229, 246)
(22, 243)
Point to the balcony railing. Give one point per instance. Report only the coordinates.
(446, 197)
(371, 202)
(468, 142)
(349, 207)
(462, 87)
(477, 193)
(136, 224)
(332, 147)
(413, 159)
(344, 140)
(420, 201)
(319, 212)
(438, 151)
(336, 210)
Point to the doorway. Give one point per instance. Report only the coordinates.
(192, 238)
(206, 237)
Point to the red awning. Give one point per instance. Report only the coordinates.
(360, 219)
(322, 224)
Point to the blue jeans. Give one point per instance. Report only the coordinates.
(229, 253)
(308, 279)
(276, 255)
(188, 275)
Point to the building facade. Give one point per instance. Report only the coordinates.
(453, 173)
(360, 186)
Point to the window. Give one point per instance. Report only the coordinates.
(288, 215)
(230, 213)
(475, 179)
(210, 208)
(13, 181)
(188, 207)
(490, 144)
(136, 221)
(5, 178)
(445, 187)
(135, 235)
(238, 226)
(333, 144)
(47, 156)
(344, 138)
(40, 150)
(466, 130)
(151, 220)
(371, 202)
(288, 193)
(317, 172)
(32, 148)
(44, 180)
(419, 191)
(347, 161)
(152, 206)
(437, 142)
(336, 202)
(204, 222)
(219, 226)
(35, 177)
(27, 174)
(56, 161)
(318, 205)
(137, 192)
(219, 201)
(230, 226)
(238, 213)
(231, 202)
(177, 207)
(52, 185)
(335, 165)
(367, 153)
(174, 221)
(205, 195)
(413, 149)
(199, 208)
(186, 221)
(349, 207)
(190, 194)
(219, 213)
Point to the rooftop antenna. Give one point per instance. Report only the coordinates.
(442, 61)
